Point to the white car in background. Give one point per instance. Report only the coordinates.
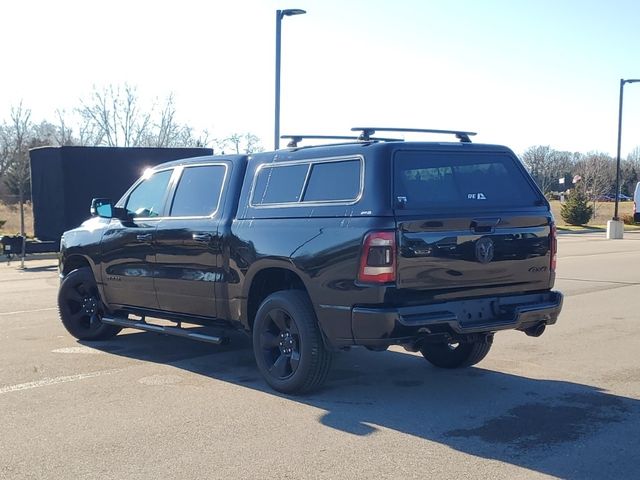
(636, 203)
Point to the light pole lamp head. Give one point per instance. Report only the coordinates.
(292, 11)
(631, 80)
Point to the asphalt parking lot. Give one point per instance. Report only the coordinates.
(564, 405)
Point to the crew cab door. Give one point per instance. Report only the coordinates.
(188, 242)
(128, 253)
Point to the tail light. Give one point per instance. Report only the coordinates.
(553, 246)
(378, 258)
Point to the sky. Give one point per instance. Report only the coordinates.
(520, 73)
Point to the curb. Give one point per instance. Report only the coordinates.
(32, 256)
(583, 232)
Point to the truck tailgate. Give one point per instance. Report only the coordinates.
(513, 249)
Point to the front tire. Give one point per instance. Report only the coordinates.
(456, 355)
(81, 309)
(288, 345)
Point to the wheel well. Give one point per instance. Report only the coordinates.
(266, 282)
(73, 263)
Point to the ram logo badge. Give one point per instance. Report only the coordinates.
(484, 250)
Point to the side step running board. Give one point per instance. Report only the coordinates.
(176, 331)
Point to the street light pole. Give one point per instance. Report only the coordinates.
(615, 228)
(622, 82)
(615, 211)
(280, 14)
(276, 130)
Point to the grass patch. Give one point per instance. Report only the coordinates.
(603, 212)
(10, 214)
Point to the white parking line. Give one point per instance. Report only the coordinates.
(28, 311)
(54, 381)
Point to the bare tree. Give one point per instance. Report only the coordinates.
(542, 162)
(5, 148)
(17, 135)
(203, 139)
(167, 131)
(597, 172)
(630, 172)
(634, 156)
(563, 166)
(252, 143)
(45, 134)
(629, 176)
(114, 117)
(233, 141)
(240, 143)
(63, 133)
(13, 136)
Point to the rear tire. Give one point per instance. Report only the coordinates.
(287, 343)
(81, 308)
(456, 355)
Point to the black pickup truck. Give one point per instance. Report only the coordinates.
(431, 246)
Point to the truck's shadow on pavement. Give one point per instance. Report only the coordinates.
(554, 427)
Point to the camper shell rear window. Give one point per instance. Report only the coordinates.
(442, 180)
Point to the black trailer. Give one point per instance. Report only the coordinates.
(65, 179)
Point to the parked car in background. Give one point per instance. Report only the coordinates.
(611, 197)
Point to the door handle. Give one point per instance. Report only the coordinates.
(202, 237)
(484, 225)
(144, 237)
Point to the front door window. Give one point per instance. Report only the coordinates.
(147, 199)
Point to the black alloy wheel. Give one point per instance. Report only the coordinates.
(280, 343)
(81, 308)
(287, 343)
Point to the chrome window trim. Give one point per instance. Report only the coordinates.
(303, 190)
(310, 162)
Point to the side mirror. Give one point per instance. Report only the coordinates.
(101, 207)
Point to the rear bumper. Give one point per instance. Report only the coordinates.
(401, 325)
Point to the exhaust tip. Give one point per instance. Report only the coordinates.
(536, 331)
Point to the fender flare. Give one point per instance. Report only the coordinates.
(255, 269)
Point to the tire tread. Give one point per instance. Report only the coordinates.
(320, 357)
(465, 355)
(105, 332)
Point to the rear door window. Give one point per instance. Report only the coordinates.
(333, 181)
(198, 192)
(444, 180)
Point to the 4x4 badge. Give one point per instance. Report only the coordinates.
(484, 250)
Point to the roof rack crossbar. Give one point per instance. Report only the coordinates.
(295, 139)
(367, 132)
